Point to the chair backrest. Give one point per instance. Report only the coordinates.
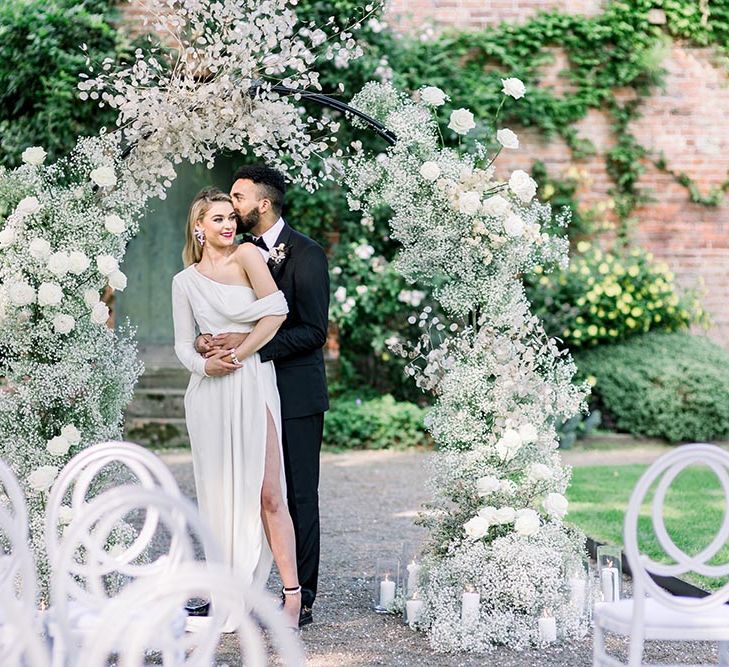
(144, 618)
(90, 468)
(87, 571)
(664, 471)
(20, 641)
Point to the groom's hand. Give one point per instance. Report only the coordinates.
(225, 341)
(202, 344)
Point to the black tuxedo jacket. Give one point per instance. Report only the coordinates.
(296, 350)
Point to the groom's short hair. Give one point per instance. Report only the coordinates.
(271, 180)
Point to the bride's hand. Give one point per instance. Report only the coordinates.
(219, 363)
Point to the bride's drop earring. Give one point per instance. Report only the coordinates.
(199, 235)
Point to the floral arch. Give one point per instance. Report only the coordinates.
(241, 70)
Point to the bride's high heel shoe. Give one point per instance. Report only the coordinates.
(285, 592)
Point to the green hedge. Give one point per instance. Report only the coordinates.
(665, 385)
(376, 423)
(40, 60)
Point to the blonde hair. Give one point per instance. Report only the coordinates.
(192, 252)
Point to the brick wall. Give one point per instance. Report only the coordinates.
(479, 13)
(686, 121)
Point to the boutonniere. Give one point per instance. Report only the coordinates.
(279, 253)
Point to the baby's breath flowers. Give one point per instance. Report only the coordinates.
(496, 519)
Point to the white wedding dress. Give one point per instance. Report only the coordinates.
(226, 417)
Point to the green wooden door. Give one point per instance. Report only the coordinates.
(154, 256)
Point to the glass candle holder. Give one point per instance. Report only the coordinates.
(577, 581)
(610, 572)
(386, 584)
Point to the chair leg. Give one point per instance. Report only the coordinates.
(723, 654)
(598, 646)
(635, 655)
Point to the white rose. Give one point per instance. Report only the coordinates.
(106, 264)
(58, 446)
(63, 323)
(27, 206)
(361, 289)
(514, 226)
(469, 202)
(486, 485)
(430, 170)
(433, 96)
(34, 155)
(117, 281)
(91, 297)
(59, 264)
(365, 251)
(476, 528)
(538, 472)
(39, 249)
(50, 294)
(507, 138)
(100, 313)
(488, 514)
(523, 185)
(114, 224)
(556, 505)
(461, 121)
(104, 177)
(527, 522)
(41, 479)
(514, 87)
(508, 445)
(71, 433)
(528, 433)
(7, 237)
(78, 262)
(496, 207)
(341, 294)
(65, 515)
(21, 293)
(505, 515)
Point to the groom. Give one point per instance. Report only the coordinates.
(299, 267)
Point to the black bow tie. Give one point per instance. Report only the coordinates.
(258, 241)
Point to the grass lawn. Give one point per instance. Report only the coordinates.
(693, 510)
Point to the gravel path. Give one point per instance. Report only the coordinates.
(368, 502)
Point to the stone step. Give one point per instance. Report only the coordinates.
(158, 432)
(165, 377)
(164, 402)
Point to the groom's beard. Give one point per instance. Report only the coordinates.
(248, 221)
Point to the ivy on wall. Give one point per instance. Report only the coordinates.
(618, 50)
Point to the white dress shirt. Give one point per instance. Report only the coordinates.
(271, 236)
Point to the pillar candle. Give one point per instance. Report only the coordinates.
(470, 607)
(387, 593)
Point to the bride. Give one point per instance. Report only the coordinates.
(232, 405)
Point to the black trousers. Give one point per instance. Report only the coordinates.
(301, 447)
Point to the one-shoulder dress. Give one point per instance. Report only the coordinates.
(226, 417)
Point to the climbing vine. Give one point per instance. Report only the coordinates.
(618, 50)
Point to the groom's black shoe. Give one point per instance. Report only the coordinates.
(305, 617)
(197, 608)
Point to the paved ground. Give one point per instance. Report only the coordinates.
(368, 501)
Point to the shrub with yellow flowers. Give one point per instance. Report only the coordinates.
(604, 297)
